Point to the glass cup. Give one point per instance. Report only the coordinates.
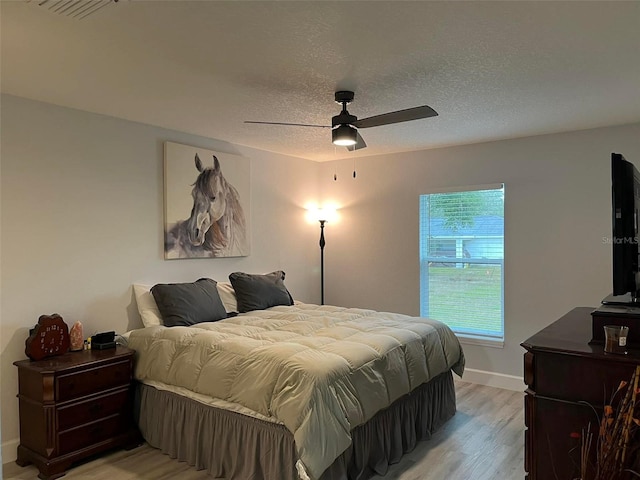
(615, 339)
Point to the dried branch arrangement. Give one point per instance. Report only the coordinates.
(617, 442)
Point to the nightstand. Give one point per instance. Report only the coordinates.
(73, 406)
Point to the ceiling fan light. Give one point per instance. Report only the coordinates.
(344, 135)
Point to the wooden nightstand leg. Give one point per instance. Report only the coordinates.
(48, 469)
(23, 457)
(22, 463)
(50, 472)
(53, 476)
(135, 440)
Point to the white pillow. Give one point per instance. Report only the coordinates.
(147, 305)
(228, 296)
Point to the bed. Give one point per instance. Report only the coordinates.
(290, 391)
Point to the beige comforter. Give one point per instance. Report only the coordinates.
(319, 370)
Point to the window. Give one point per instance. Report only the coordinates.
(462, 261)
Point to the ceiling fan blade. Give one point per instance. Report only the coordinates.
(414, 113)
(360, 143)
(289, 124)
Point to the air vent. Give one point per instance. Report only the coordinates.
(78, 9)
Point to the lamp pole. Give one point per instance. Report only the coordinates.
(322, 243)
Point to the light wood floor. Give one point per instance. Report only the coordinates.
(484, 441)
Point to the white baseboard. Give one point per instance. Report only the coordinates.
(492, 379)
(10, 451)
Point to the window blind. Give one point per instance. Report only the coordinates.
(462, 260)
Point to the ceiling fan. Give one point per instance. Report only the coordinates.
(344, 126)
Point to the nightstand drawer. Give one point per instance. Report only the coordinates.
(87, 411)
(90, 434)
(92, 380)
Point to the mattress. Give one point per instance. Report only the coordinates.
(321, 371)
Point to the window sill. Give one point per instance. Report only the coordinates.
(480, 341)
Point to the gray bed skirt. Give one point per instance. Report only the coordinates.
(237, 447)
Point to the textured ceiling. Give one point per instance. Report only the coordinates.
(492, 70)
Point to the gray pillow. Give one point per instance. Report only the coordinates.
(257, 292)
(188, 303)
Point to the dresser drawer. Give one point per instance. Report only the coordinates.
(79, 413)
(575, 378)
(92, 380)
(556, 454)
(91, 433)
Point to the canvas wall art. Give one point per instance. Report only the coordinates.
(206, 203)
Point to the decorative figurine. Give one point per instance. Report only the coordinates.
(76, 338)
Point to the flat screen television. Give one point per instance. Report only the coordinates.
(625, 196)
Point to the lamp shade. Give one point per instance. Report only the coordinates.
(326, 214)
(344, 135)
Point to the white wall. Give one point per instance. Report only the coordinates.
(82, 219)
(557, 209)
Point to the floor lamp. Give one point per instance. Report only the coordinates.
(324, 216)
(322, 243)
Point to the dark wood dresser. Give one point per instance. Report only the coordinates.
(561, 369)
(73, 406)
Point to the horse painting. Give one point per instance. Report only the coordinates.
(216, 226)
